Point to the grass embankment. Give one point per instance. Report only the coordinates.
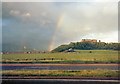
(80, 56)
(80, 73)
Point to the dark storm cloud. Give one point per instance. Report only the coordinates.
(25, 24)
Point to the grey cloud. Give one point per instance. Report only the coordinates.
(34, 24)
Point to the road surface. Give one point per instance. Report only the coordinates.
(58, 81)
(59, 66)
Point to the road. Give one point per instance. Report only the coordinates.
(58, 81)
(59, 66)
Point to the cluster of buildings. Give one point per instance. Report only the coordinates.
(90, 40)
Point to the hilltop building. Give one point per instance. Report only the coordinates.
(90, 40)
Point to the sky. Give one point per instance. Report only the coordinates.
(46, 25)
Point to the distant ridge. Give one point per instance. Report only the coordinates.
(88, 44)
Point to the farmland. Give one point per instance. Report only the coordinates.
(80, 56)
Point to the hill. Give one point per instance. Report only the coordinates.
(88, 46)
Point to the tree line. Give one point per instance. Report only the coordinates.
(88, 46)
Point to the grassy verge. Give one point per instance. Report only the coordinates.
(80, 73)
(57, 61)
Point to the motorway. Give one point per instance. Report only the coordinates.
(57, 81)
(59, 66)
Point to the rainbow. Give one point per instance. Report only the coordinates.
(58, 25)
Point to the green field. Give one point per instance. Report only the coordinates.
(79, 73)
(80, 56)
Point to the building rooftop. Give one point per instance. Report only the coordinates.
(89, 40)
